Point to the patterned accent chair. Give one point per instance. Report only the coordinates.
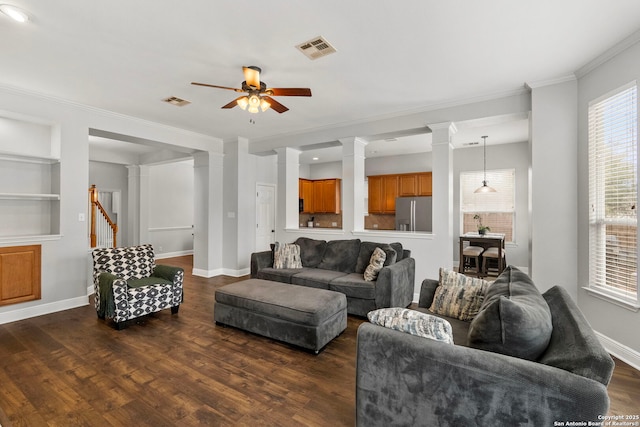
(129, 284)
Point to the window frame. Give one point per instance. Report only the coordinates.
(597, 212)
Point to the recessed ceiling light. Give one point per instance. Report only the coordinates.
(14, 13)
(315, 158)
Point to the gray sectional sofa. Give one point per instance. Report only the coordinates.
(338, 265)
(408, 380)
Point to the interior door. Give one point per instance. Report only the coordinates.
(265, 216)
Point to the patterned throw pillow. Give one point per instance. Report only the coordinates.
(413, 322)
(286, 255)
(376, 262)
(458, 296)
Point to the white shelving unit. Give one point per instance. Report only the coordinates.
(29, 192)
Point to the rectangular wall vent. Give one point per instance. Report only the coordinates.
(174, 100)
(316, 48)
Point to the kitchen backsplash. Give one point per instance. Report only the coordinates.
(322, 220)
(380, 222)
(371, 222)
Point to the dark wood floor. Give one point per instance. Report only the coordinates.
(72, 369)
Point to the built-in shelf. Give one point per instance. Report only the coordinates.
(28, 196)
(29, 179)
(17, 157)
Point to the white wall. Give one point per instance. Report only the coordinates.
(553, 147)
(618, 324)
(416, 162)
(170, 208)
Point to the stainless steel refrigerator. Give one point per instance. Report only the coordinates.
(413, 214)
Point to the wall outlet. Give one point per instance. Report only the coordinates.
(81, 217)
(375, 225)
(317, 224)
(334, 224)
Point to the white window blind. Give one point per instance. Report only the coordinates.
(613, 193)
(497, 210)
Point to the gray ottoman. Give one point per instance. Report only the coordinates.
(306, 317)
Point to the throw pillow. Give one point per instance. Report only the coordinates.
(286, 255)
(514, 318)
(458, 296)
(366, 250)
(375, 265)
(413, 322)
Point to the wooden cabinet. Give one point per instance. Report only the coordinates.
(407, 185)
(305, 189)
(375, 194)
(383, 190)
(320, 196)
(390, 192)
(425, 184)
(19, 274)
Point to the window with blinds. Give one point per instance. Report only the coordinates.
(496, 210)
(613, 193)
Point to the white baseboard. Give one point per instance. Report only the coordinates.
(41, 310)
(621, 351)
(220, 272)
(173, 254)
(207, 273)
(237, 273)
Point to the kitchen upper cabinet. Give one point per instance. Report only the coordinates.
(425, 184)
(376, 204)
(407, 185)
(390, 192)
(305, 191)
(320, 196)
(383, 189)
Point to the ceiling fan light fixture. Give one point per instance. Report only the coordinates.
(264, 104)
(254, 104)
(243, 102)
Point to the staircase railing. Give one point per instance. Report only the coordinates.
(103, 229)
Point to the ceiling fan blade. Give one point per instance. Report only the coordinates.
(216, 86)
(252, 76)
(232, 103)
(289, 91)
(275, 105)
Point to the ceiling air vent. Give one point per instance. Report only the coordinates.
(174, 100)
(316, 47)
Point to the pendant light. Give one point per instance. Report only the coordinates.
(484, 188)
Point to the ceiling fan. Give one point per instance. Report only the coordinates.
(258, 95)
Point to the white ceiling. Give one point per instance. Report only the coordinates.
(391, 57)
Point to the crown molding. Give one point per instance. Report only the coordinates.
(608, 54)
(549, 82)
